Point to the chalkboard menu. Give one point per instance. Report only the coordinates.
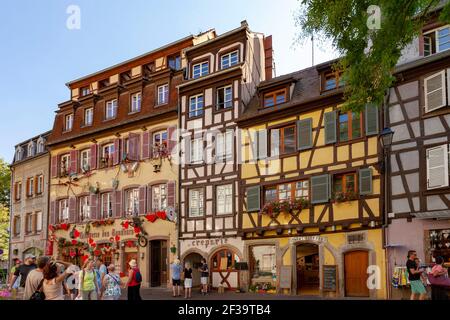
(285, 277)
(329, 277)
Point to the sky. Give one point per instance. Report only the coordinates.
(39, 53)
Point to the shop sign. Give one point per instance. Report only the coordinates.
(208, 242)
(106, 234)
(307, 238)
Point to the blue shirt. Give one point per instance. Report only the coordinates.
(176, 271)
(99, 272)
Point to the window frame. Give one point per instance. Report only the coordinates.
(61, 215)
(231, 199)
(40, 184)
(197, 112)
(113, 103)
(84, 93)
(164, 94)
(82, 202)
(274, 95)
(66, 168)
(29, 223)
(350, 126)
(30, 185)
(110, 212)
(17, 190)
(160, 200)
(103, 159)
(135, 102)
(224, 156)
(337, 75)
(229, 54)
(68, 125)
(135, 193)
(201, 202)
(177, 59)
(39, 221)
(86, 112)
(200, 64)
(194, 160)
(435, 41)
(344, 176)
(281, 141)
(82, 153)
(292, 191)
(17, 225)
(223, 106)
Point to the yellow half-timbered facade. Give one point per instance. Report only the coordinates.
(310, 205)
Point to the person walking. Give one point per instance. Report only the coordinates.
(34, 277)
(23, 270)
(111, 285)
(100, 271)
(16, 284)
(204, 276)
(88, 283)
(187, 280)
(414, 273)
(134, 281)
(53, 282)
(176, 270)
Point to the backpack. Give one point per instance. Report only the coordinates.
(138, 276)
(38, 295)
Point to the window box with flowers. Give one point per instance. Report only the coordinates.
(339, 197)
(274, 208)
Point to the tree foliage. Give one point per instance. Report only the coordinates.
(368, 56)
(5, 180)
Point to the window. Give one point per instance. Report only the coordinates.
(159, 197)
(39, 184)
(224, 199)
(263, 263)
(435, 91)
(287, 191)
(200, 69)
(88, 116)
(16, 230)
(85, 159)
(19, 153)
(229, 60)
(174, 62)
(163, 94)
(39, 221)
(196, 106)
(29, 223)
(224, 145)
(224, 260)
(224, 97)
(106, 205)
(196, 208)
(132, 202)
(197, 150)
(275, 98)
(40, 145)
(85, 91)
(65, 164)
(63, 210)
(17, 191)
(283, 140)
(159, 143)
(30, 187)
(111, 109)
(84, 209)
(68, 124)
(437, 40)
(136, 102)
(332, 80)
(31, 149)
(107, 155)
(345, 183)
(350, 124)
(437, 167)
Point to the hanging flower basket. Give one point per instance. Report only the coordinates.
(173, 249)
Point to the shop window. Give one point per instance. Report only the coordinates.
(263, 265)
(224, 260)
(350, 124)
(439, 244)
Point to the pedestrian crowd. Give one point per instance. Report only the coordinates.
(47, 279)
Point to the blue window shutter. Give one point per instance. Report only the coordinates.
(253, 198)
(304, 134)
(371, 116)
(320, 188)
(365, 181)
(330, 127)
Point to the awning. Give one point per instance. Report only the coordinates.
(444, 214)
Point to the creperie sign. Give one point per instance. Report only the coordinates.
(208, 242)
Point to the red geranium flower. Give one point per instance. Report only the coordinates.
(137, 229)
(90, 240)
(74, 242)
(97, 253)
(76, 233)
(117, 238)
(125, 224)
(151, 217)
(162, 215)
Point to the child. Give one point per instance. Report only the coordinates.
(187, 280)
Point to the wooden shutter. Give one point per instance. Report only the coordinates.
(304, 134)
(35, 187)
(330, 127)
(134, 147)
(172, 139)
(116, 154)
(28, 188)
(187, 149)
(16, 195)
(146, 145)
(253, 198)
(171, 194)
(365, 181)
(118, 204)
(53, 212)
(320, 188)
(95, 210)
(93, 163)
(54, 167)
(262, 144)
(371, 116)
(34, 222)
(73, 161)
(434, 91)
(72, 209)
(142, 199)
(437, 167)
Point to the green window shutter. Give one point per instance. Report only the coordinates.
(304, 134)
(262, 144)
(320, 188)
(365, 181)
(371, 115)
(253, 198)
(330, 127)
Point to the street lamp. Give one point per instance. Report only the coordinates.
(386, 137)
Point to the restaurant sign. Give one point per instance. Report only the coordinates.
(307, 238)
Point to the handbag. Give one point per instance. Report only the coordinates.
(38, 295)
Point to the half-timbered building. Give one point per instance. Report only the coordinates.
(309, 195)
(222, 76)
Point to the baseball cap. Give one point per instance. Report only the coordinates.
(30, 256)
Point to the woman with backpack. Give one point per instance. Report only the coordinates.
(111, 285)
(88, 285)
(52, 283)
(134, 281)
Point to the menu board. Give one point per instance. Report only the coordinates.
(329, 277)
(285, 277)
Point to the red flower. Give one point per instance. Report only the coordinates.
(137, 229)
(162, 215)
(151, 217)
(93, 244)
(97, 253)
(84, 258)
(117, 238)
(130, 243)
(76, 233)
(51, 228)
(64, 226)
(122, 274)
(90, 240)
(125, 224)
(74, 242)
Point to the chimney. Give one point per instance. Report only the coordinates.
(268, 57)
(244, 23)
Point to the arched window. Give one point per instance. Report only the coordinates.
(41, 145)
(224, 260)
(19, 153)
(31, 149)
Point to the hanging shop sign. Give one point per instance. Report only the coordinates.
(106, 235)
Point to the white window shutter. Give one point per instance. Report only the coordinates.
(448, 87)
(437, 167)
(435, 91)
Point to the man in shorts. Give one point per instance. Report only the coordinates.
(414, 273)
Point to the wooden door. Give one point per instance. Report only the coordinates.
(355, 269)
(158, 263)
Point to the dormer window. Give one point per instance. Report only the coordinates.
(228, 60)
(31, 149)
(68, 122)
(103, 83)
(275, 98)
(85, 91)
(19, 153)
(41, 145)
(332, 80)
(200, 69)
(174, 62)
(436, 40)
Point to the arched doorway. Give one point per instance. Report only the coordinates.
(307, 267)
(223, 271)
(355, 273)
(194, 259)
